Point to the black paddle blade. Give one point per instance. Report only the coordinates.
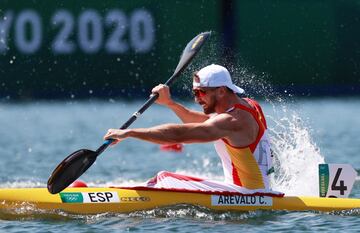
(71, 168)
(191, 49)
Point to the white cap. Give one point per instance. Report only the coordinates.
(215, 76)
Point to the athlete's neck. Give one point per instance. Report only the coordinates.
(227, 102)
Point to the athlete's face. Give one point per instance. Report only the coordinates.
(206, 97)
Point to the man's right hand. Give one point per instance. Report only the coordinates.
(164, 95)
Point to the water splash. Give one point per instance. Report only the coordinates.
(27, 211)
(22, 184)
(196, 212)
(296, 154)
(296, 157)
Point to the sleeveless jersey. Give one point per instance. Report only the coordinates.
(247, 166)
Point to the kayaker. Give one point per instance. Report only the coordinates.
(237, 126)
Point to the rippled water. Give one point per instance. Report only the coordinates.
(36, 136)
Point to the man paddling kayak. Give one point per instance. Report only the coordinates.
(236, 125)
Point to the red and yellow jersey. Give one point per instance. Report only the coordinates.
(247, 166)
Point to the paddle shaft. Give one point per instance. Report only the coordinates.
(136, 114)
(183, 63)
(74, 165)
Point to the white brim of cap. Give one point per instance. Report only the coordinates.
(237, 89)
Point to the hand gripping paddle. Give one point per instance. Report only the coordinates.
(73, 166)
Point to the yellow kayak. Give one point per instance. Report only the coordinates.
(121, 200)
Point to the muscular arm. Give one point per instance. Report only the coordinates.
(215, 128)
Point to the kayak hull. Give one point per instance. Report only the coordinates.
(119, 200)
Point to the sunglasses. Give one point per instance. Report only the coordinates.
(201, 92)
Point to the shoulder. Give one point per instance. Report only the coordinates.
(225, 121)
(237, 119)
(221, 117)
